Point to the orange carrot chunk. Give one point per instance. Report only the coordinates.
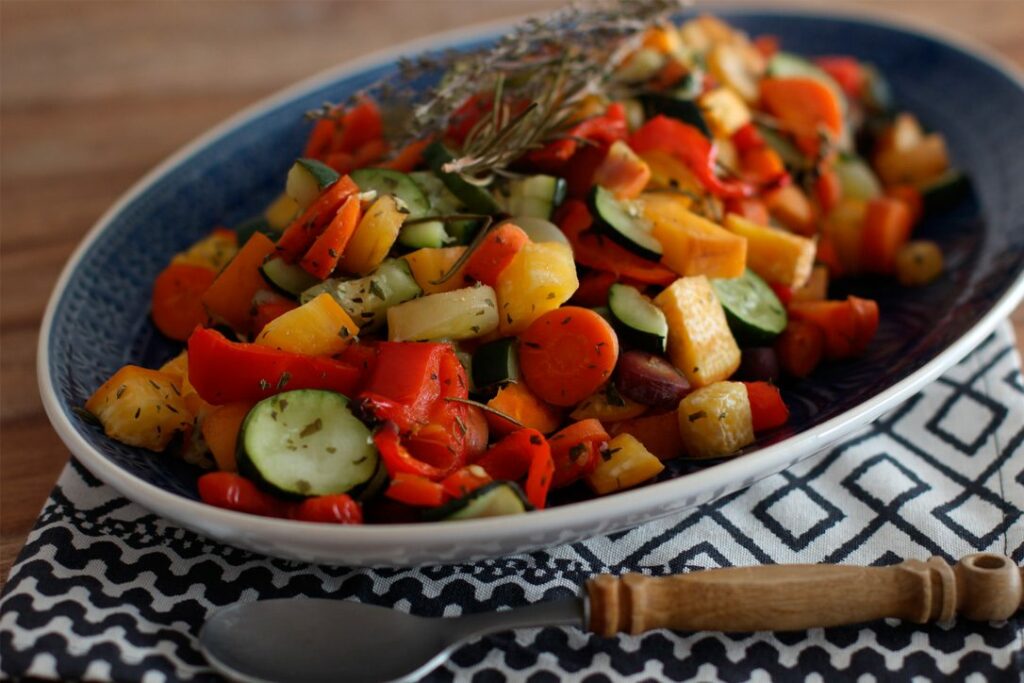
(322, 257)
(229, 298)
(177, 299)
(887, 226)
(495, 253)
(519, 403)
(567, 353)
(302, 232)
(803, 106)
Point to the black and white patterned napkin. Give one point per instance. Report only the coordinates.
(106, 591)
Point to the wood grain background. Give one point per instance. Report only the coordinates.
(94, 94)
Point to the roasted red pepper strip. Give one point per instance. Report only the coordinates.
(335, 509)
(767, 409)
(406, 383)
(541, 475)
(690, 146)
(465, 480)
(510, 458)
(234, 492)
(576, 450)
(224, 371)
(397, 459)
(603, 130)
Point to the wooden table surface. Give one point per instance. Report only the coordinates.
(95, 94)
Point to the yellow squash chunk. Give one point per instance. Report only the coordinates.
(715, 421)
(177, 368)
(319, 327)
(790, 206)
(724, 111)
(691, 244)
(213, 251)
(700, 343)
(374, 236)
(540, 278)
(140, 407)
(628, 465)
(461, 314)
(776, 255)
(607, 406)
(281, 212)
(669, 173)
(428, 265)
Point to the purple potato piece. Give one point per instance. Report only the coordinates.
(650, 379)
(759, 364)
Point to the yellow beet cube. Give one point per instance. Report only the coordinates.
(715, 421)
(140, 407)
(691, 244)
(724, 111)
(628, 464)
(429, 265)
(776, 255)
(320, 327)
(700, 343)
(540, 278)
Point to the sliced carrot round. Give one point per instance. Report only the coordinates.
(566, 354)
(177, 303)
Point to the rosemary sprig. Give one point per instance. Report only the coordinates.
(534, 78)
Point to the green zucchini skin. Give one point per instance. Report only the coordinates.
(384, 181)
(305, 443)
(367, 299)
(490, 500)
(496, 364)
(755, 315)
(307, 179)
(637, 321)
(430, 234)
(535, 196)
(612, 218)
(288, 278)
(476, 199)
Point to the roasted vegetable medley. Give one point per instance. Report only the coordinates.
(557, 273)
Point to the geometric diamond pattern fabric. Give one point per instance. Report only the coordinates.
(107, 591)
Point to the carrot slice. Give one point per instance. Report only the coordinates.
(887, 226)
(495, 253)
(319, 139)
(408, 158)
(220, 431)
(800, 348)
(177, 299)
(911, 196)
(567, 353)
(229, 298)
(322, 257)
(298, 236)
(803, 105)
(518, 402)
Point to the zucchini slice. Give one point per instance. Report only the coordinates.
(476, 199)
(684, 109)
(856, 178)
(307, 178)
(755, 315)
(399, 185)
(496, 364)
(636, 319)
(541, 230)
(306, 442)
(490, 500)
(288, 278)
(367, 299)
(430, 234)
(535, 196)
(444, 203)
(613, 218)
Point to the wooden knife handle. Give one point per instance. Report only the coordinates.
(796, 597)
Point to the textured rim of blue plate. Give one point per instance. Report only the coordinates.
(718, 479)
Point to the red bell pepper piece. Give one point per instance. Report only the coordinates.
(510, 458)
(602, 130)
(689, 145)
(465, 480)
(234, 492)
(845, 71)
(335, 509)
(359, 125)
(415, 490)
(576, 450)
(223, 371)
(319, 139)
(397, 458)
(784, 292)
(405, 383)
(747, 137)
(767, 409)
(849, 326)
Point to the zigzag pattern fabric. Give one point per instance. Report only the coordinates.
(106, 591)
